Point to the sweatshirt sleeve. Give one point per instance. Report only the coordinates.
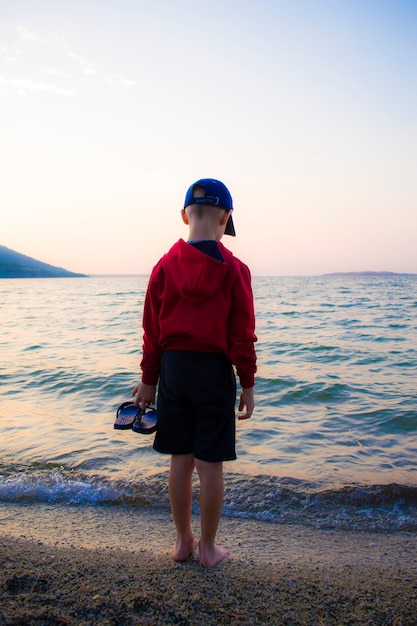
(151, 351)
(242, 328)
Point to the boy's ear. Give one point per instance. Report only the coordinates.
(224, 218)
(184, 217)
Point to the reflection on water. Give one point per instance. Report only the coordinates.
(336, 393)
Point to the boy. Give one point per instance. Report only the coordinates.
(198, 320)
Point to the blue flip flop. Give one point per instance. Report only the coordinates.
(125, 416)
(145, 422)
(129, 416)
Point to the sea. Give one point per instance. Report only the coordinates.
(332, 443)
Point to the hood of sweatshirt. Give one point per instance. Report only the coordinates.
(193, 274)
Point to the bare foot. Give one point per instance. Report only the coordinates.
(183, 549)
(212, 555)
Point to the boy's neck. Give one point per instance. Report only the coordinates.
(201, 232)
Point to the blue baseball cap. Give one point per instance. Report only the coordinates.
(215, 194)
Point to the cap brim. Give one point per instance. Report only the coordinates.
(230, 228)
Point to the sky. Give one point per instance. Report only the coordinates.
(305, 109)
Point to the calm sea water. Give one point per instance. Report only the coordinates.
(332, 443)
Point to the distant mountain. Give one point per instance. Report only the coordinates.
(16, 265)
(370, 273)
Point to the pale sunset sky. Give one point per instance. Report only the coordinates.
(305, 109)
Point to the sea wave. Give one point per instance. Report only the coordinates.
(335, 397)
(376, 508)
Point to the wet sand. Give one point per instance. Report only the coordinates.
(64, 565)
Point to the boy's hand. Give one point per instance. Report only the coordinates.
(246, 399)
(144, 395)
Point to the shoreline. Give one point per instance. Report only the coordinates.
(64, 565)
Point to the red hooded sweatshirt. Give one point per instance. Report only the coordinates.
(195, 302)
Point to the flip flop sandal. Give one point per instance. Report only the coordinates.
(145, 422)
(125, 416)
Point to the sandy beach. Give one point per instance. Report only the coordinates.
(87, 565)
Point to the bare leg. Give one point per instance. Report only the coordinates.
(211, 502)
(180, 493)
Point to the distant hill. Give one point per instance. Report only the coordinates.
(16, 265)
(370, 273)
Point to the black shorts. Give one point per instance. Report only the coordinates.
(196, 406)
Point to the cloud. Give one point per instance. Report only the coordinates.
(58, 46)
(10, 53)
(119, 80)
(86, 66)
(52, 72)
(23, 86)
(28, 35)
